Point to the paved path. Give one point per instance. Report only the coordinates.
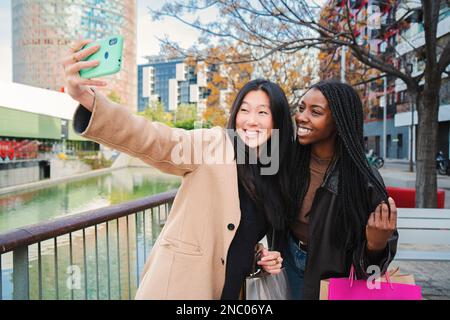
(433, 277)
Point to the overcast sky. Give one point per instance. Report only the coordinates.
(147, 43)
(5, 41)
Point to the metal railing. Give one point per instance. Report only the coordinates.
(99, 254)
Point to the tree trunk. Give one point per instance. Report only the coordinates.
(427, 137)
(428, 108)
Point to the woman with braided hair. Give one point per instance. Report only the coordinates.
(344, 216)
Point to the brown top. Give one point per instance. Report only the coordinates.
(318, 167)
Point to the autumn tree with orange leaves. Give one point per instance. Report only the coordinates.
(288, 26)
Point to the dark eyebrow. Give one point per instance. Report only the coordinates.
(259, 105)
(313, 105)
(316, 105)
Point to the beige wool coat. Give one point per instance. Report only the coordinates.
(189, 257)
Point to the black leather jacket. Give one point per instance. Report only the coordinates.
(324, 260)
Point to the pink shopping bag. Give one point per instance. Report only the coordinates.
(389, 289)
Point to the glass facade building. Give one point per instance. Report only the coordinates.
(162, 72)
(170, 81)
(44, 29)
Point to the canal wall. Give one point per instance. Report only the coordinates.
(16, 173)
(124, 160)
(61, 171)
(49, 182)
(65, 168)
(23, 172)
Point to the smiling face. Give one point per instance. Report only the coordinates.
(315, 123)
(254, 121)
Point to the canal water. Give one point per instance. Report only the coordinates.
(100, 263)
(31, 207)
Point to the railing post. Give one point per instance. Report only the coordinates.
(20, 274)
(1, 279)
(18, 241)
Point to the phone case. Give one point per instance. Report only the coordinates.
(109, 55)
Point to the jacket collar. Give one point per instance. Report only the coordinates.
(331, 179)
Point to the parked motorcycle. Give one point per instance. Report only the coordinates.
(442, 163)
(374, 160)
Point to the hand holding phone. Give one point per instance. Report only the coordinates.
(109, 55)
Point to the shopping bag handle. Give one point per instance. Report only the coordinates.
(256, 269)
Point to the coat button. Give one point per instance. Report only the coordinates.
(230, 227)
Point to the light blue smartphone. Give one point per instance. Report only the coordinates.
(109, 55)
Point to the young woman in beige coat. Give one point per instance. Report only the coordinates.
(224, 206)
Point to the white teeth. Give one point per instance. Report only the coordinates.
(303, 131)
(251, 133)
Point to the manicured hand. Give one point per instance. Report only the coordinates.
(271, 261)
(77, 87)
(381, 225)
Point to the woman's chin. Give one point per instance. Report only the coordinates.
(252, 144)
(303, 140)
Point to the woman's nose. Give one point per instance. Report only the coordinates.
(301, 117)
(252, 118)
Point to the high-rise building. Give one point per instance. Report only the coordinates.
(394, 32)
(44, 29)
(411, 41)
(172, 82)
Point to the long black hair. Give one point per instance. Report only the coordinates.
(271, 193)
(354, 172)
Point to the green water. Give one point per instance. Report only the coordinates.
(25, 208)
(108, 259)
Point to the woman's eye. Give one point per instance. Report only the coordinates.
(263, 112)
(244, 110)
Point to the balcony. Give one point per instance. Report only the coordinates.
(95, 255)
(406, 5)
(376, 113)
(403, 107)
(415, 37)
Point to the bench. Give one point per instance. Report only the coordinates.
(420, 226)
(406, 197)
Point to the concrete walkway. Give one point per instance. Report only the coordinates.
(433, 277)
(402, 178)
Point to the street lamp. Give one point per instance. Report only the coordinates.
(409, 69)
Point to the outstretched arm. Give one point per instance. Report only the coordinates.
(99, 119)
